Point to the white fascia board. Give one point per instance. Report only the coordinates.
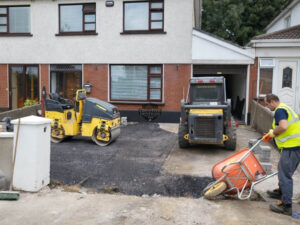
(275, 43)
(224, 44)
(223, 62)
(282, 14)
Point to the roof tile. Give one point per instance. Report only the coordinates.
(288, 33)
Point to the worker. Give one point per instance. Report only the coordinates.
(286, 133)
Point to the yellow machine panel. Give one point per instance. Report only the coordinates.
(206, 111)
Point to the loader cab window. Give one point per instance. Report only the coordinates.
(207, 93)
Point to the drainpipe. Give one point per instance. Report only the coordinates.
(198, 13)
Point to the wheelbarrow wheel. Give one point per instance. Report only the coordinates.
(215, 190)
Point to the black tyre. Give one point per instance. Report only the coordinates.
(230, 144)
(182, 130)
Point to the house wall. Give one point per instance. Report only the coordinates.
(109, 46)
(281, 23)
(44, 78)
(97, 75)
(4, 86)
(175, 78)
(253, 82)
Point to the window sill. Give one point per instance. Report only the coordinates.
(16, 35)
(137, 103)
(75, 34)
(142, 32)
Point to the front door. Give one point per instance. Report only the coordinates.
(65, 80)
(24, 85)
(287, 83)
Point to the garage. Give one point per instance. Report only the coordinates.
(236, 81)
(213, 56)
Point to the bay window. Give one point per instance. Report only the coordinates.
(14, 20)
(77, 18)
(143, 16)
(142, 83)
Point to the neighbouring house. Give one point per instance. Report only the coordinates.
(138, 55)
(277, 57)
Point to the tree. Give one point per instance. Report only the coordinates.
(239, 20)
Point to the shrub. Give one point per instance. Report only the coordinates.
(29, 102)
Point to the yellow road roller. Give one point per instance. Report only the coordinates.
(88, 117)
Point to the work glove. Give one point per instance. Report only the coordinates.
(268, 136)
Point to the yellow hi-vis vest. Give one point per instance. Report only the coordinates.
(291, 137)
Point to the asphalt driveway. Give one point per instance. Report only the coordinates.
(132, 164)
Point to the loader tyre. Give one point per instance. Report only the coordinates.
(230, 144)
(182, 130)
(215, 190)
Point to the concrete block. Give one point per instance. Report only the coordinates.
(124, 121)
(263, 158)
(265, 154)
(257, 149)
(267, 167)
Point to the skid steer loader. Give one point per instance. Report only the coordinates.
(89, 117)
(206, 116)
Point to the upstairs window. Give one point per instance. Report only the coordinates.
(79, 18)
(143, 16)
(14, 20)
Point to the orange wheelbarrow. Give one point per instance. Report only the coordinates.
(236, 174)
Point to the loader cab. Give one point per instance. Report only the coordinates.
(207, 91)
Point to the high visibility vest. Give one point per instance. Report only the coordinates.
(291, 137)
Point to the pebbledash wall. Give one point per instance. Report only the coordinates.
(172, 49)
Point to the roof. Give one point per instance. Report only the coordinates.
(211, 49)
(288, 33)
(217, 37)
(291, 4)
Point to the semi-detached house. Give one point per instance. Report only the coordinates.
(137, 55)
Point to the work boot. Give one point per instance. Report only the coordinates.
(276, 193)
(280, 207)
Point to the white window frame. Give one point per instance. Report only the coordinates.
(261, 66)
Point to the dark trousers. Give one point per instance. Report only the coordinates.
(287, 165)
